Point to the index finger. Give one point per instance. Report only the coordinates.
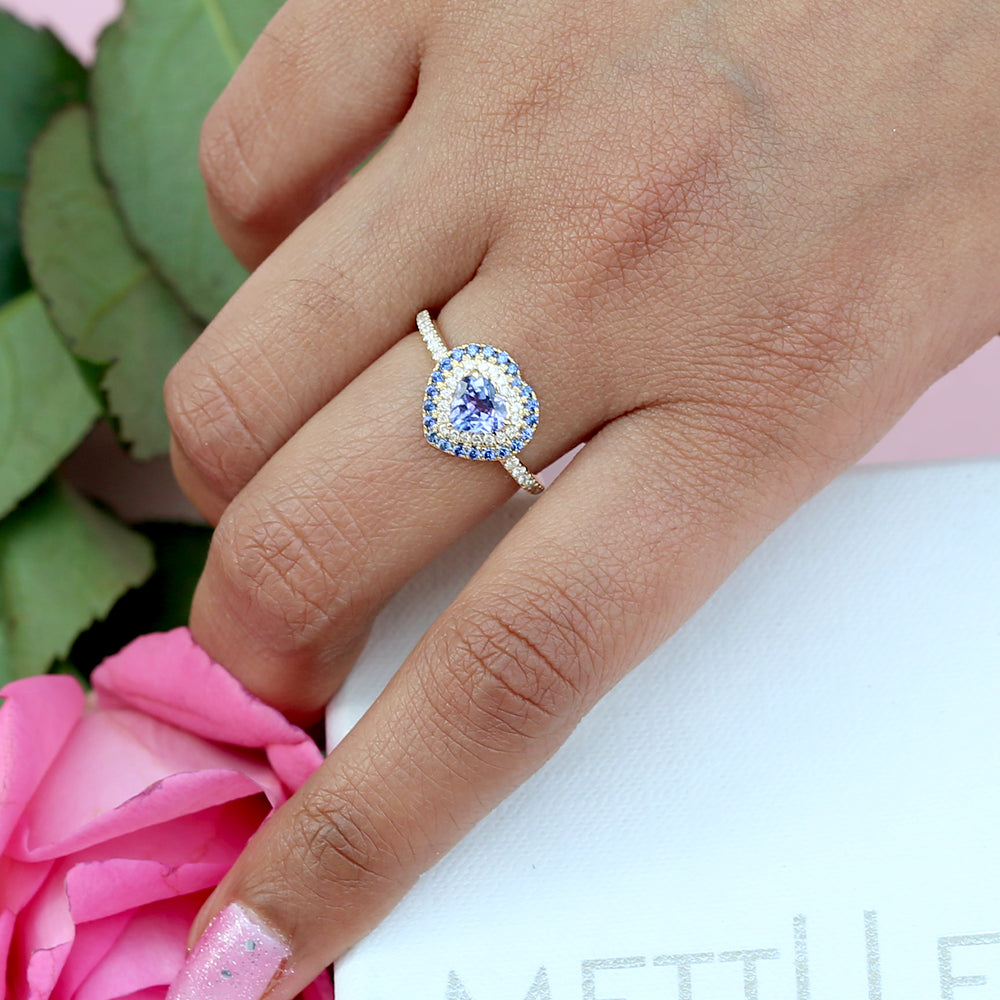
(623, 548)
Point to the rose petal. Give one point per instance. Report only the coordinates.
(114, 756)
(42, 939)
(293, 763)
(99, 888)
(44, 969)
(19, 882)
(149, 953)
(47, 833)
(321, 988)
(92, 944)
(215, 835)
(40, 713)
(6, 932)
(168, 676)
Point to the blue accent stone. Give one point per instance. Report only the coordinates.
(457, 353)
(473, 453)
(516, 383)
(476, 407)
(458, 450)
(473, 350)
(489, 453)
(512, 368)
(503, 357)
(531, 419)
(432, 390)
(446, 363)
(436, 376)
(428, 407)
(489, 351)
(526, 391)
(503, 452)
(429, 421)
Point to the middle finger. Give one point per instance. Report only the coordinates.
(320, 309)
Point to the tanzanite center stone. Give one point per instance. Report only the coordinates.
(476, 407)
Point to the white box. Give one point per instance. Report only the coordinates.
(795, 798)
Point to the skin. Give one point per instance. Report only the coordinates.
(728, 244)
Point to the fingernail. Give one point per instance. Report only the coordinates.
(237, 957)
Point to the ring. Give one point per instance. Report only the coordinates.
(476, 405)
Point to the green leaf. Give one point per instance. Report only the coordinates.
(46, 406)
(37, 76)
(163, 602)
(159, 69)
(104, 297)
(63, 563)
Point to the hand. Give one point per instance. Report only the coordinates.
(728, 244)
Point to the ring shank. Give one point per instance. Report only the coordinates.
(521, 475)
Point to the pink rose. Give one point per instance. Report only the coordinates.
(119, 812)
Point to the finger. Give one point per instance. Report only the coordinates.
(336, 295)
(595, 576)
(321, 87)
(357, 502)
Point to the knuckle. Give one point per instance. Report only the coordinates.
(229, 161)
(209, 425)
(521, 668)
(290, 564)
(803, 346)
(664, 201)
(328, 296)
(327, 842)
(340, 839)
(789, 377)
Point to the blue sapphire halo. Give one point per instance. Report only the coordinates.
(477, 405)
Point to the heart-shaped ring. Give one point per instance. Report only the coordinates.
(477, 406)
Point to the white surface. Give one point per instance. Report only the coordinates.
(819, 743)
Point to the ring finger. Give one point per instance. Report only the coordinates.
(356, 501)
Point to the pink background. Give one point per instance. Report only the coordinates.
(958, 417)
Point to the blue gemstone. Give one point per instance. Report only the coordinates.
(503, 452)
(473, 453)
(428, 406)
(457, 353)
(512, 368)
(429, 421)
(489, 351)
(476, 408)
(516, 382)
(436, 376)
(526, 391)
(458, 450)
(489, 453)
(531, 419)
(473, 349)
(503, 357)
(432, 390)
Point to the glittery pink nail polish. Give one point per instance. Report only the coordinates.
(236, 958)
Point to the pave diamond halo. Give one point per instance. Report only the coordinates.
(477, 406)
